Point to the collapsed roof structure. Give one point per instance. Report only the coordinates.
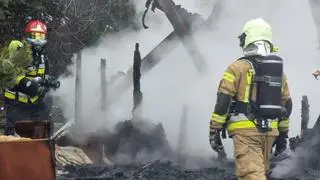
(184, 24)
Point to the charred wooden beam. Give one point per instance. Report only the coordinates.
(215, 14)
(137, 94)
(183, 31)
(316, 126)
(103, 87)
(306, 133)
(78, 91)
(304, 115)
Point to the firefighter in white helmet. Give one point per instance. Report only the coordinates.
(253, 102)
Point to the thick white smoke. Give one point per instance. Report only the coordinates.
(175, 82)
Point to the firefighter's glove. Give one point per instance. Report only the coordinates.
(215, 140)
(281, 143)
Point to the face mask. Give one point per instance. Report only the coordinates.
(261, 48)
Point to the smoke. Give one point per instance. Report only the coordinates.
(175, 82)
(301, 163)
(315, 6)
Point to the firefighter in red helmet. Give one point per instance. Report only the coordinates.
(26, 99)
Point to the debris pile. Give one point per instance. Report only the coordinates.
(149, 156)
(138, 149)
(137, 139)
(70, 155)
(307, 168)
(154, 170)
(302, 163)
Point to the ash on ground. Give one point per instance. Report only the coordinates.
(140, 151)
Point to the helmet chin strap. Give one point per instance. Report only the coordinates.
(260, 48)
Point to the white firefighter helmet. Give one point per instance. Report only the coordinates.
(256, 38)
(255, 30)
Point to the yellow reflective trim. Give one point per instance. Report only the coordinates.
(284, 123)
(19, 78)
(9, 95)
(275, 49)
(32, 73)
(40, 71)
(34, 99)
(218, 118)
(247, 90)
(23, 99)
(282, 88)
(20, 98)
(228, 77)
(13, 97)
(247, 124)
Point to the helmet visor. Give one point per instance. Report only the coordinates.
(37, 36)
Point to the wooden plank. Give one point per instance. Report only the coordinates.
(69, 155)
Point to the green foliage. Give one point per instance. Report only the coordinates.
(3, 9)
(13, 66)
(23, 57)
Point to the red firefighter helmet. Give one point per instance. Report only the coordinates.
(36, 32)
(36, 26)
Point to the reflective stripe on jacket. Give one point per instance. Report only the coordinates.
(33, 72)
(21, 97)
(241, 121)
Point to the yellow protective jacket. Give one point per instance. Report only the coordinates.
(18, 95)
(20, 90)
(236, 82)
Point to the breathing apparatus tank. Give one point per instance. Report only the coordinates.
(269, 85)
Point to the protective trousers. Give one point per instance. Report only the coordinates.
(252, 155)
(16, 111)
